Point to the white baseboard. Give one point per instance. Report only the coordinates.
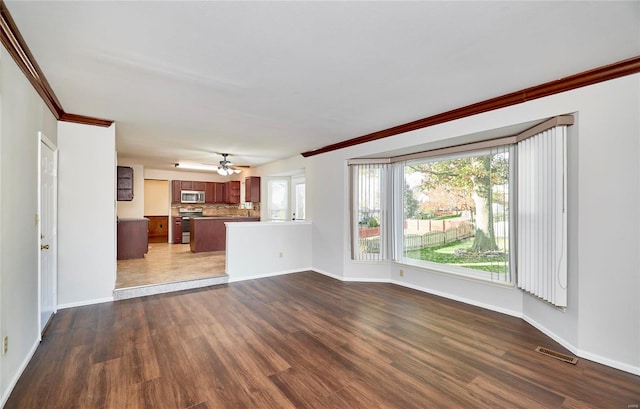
(328, 274)
(461, 299)
(85, 302)
(569, 346)
(237, 279)
(609, 362)
(366, 280)
(581, 353)
(18, 374)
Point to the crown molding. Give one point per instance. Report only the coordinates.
(86, 120)
(583, 79)
(16, 46)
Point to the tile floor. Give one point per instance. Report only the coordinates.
(166, 263)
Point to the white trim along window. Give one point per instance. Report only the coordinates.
(483, 210)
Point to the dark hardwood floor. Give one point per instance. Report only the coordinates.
(305, 341)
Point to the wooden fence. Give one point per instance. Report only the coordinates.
(421, 241)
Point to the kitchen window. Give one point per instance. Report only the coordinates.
(278, 199)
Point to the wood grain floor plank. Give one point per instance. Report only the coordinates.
(305, 341)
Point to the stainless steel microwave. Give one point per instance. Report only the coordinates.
(191, 196)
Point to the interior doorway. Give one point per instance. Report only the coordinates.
(165, 263)
(47, 231)
(157, 210)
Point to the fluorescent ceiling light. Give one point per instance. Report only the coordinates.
(224, 171)
(196, 166)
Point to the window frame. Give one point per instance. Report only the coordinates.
(398, 219)
(297, 181)
(354, 193)
(269, 195)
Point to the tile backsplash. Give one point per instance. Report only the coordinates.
(218, 209)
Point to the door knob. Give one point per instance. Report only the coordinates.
(45, 247)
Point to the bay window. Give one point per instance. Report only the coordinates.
(465, 209)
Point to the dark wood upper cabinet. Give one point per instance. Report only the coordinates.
(209, 192)
(219, 192)
(214, 192)
(125, 183)
(232, 194)
(176, 187)
(252, 189)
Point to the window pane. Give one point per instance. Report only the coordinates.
(278, 199)
(368, 216)
(456, 213)
(299, 202)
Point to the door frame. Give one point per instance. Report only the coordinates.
(42, 139)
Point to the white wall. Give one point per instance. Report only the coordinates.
(22, 115)
(602, 321)
(133, 208)
(262, 249)
(609, 135)
(156, 197)
(86, 214)
(185, 175)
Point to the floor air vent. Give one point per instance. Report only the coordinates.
(557, 355)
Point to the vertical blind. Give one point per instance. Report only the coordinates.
(368, 211)
(542, 217)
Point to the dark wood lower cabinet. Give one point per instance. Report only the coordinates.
(158, 227)
(133, 239)
(210, 233)
(177, 230)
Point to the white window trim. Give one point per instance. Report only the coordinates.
(398, 222)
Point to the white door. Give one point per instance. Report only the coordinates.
(47, 209)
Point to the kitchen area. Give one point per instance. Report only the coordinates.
(194, 202)
(181, 236)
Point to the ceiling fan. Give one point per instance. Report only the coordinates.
(225, 168)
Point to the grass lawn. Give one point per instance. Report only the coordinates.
(446, 255)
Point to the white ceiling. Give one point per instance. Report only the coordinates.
(268, 80)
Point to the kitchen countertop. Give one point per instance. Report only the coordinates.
(224, 217)
(131, 219)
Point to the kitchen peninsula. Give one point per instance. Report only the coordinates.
(210, 233)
